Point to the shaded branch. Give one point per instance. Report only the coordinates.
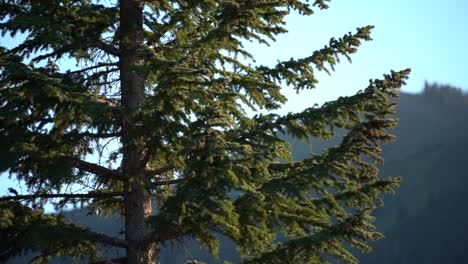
(171, 234)
(60, 195)
(104, 239)
(100, 135)
(99, 65)
(98, 75)
(103, 83)
(98, 170)
(159, 171)
(108, 48)
(111, 261)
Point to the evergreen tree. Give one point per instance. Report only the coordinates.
(159, 83)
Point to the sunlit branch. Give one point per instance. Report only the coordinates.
(160, 170)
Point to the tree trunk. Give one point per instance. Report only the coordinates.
(137, 204)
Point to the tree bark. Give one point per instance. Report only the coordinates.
(137, 201)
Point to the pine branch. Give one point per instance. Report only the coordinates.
(99, 65)
(161, 181)
(170, 234)
(60, 195)
(173, 232)
(309, 246)
(100, 135)
(97, 170)
(104, 239)
(107, 48)
(98, 75)
(111, 82)
(165, 182)
(300, 74)
(61, 234)
(105, 101)
(111, 261)
(160, 170)
(101, 171)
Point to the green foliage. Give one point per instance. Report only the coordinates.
(24, 230)
(227, 172)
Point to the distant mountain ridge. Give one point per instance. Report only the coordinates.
(426, 222)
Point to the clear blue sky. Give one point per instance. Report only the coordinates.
(430, 36)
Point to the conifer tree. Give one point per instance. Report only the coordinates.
(160, 95)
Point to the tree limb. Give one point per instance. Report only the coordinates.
(165, 182)
(173, 234)
(98, 170)
(105, 101)
(104, 239)
(111, 261)
(100, 135)
(60, 195)
(99, 65)
(98, 75)
(108, 48)
(160, 170)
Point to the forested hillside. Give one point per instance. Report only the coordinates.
(427, 221)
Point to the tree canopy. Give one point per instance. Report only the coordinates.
(152, 123)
